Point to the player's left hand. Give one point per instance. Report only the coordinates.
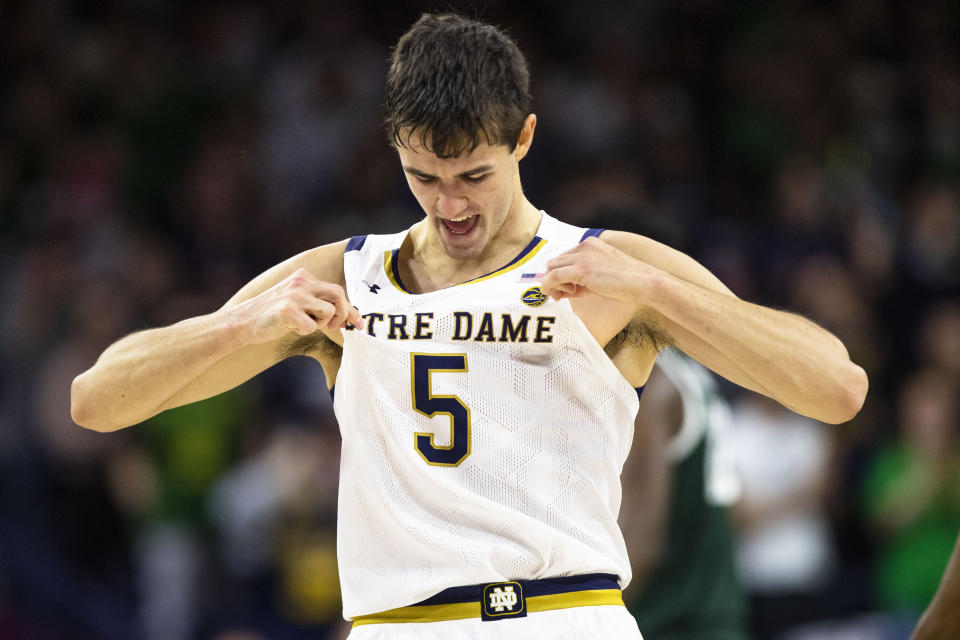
(597, 267)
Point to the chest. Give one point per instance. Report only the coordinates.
(507, 309)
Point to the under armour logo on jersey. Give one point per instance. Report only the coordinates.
(373, 287)
(503, 600)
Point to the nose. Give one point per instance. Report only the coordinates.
(450, 205)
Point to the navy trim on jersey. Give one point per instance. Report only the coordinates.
(597, 589)
(331, 391)
(531, 588)
(355, 243)
(526, 250)
(591, 233)
(395, 269)
(639, 390)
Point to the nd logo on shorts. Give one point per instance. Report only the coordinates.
(533, 297)
(503, 600)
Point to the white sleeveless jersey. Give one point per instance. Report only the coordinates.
(484, 431)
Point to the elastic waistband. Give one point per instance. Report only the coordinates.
(500, 600)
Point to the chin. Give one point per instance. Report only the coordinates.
(469, 245)
(461, 252)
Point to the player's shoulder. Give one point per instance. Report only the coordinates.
(663, 257)
(328, 258)
(640, 247)
(324, 261)
(557, 231)
(373, 243)
(634, 243)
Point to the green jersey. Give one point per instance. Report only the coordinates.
(693, 593)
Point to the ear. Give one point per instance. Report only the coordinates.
(526, 137)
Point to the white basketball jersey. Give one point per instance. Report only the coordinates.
(484, 431)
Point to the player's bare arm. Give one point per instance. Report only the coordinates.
(293, 308)
(778, 354)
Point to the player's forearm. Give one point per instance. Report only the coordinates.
(779, 354)
(148, 372)
(134, 377)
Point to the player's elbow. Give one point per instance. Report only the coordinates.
(80, 409)
(83, 410)
(851, 394)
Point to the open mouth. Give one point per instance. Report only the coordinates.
(460, 226)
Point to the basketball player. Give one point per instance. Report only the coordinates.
(674, 519)
(483, 423)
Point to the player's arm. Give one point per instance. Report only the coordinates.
(150, 371)
(942, 616)
(648, 476)
(778, 354)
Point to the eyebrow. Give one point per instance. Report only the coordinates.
(481, 169)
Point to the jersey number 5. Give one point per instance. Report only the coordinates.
(422, 366)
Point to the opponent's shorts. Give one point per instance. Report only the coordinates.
(572, 608)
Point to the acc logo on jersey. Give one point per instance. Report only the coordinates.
(533, 297)
(503, 600)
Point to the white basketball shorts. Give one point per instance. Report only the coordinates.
(608, 622)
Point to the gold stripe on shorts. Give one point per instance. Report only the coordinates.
(465, 610)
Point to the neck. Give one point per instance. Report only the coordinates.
(432, 268)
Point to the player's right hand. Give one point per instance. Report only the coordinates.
(300, 303)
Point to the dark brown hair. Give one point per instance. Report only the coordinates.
(455, 83)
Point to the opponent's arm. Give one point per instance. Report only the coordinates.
(647, 477)
(941, 619)
(778, 354)
(158, 369)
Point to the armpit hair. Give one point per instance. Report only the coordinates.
(316, 344)
(638, 333)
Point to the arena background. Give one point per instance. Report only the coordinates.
(154, 156)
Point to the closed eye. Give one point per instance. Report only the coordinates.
(476, 179)
(424, 179)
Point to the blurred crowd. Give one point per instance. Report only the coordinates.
(157, 154)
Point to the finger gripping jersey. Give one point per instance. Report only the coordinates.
(484, 431)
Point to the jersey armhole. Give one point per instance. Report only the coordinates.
(355, 243)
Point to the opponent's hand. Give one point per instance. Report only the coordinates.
(300, 303)
(597, 267)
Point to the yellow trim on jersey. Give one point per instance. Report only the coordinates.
(509, 267)
(464, 610)
(388, 267)
(575, 599)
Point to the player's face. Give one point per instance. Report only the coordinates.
(469, 200)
